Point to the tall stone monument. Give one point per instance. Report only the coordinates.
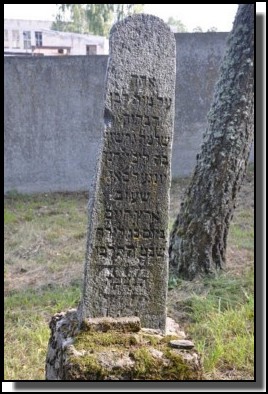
(126, 266)
(119, 330)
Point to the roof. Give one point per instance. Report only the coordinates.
(51, 47)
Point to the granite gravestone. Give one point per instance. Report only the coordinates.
(126, 269)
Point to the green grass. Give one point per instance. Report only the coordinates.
(242, 236)
(44, 234)
(223, 324)
(9, 217)
(218, 313)
(45, 241)
(45, 238)
(27, 314)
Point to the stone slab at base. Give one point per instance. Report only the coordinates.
(116, 349)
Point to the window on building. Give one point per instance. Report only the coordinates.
(91, 49)
(27, 40)
(6, 45)
(15, 39)
(38, 39)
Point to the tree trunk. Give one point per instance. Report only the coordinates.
(199, 235)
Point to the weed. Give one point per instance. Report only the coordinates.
(173, 282)
(9, 217)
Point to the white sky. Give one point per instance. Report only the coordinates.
(220, 16)
(193, 15)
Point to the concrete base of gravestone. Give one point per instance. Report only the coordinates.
(118, 349)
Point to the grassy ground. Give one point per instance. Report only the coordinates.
(45, 240)
(218, 313)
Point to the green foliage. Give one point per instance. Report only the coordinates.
(212, 29)
(92, 18)
(173, 282)
(173, 22)
(198, 29)
(123, 10)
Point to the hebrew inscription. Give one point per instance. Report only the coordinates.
(127, 253)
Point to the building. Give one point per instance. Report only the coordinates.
(35, 38)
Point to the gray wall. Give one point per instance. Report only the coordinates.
(198, 59)
(53, 114)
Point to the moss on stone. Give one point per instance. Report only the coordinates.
(96, 340)
(85, 368)
(146, 366)
(168, 338)
(149, 367)
(115, 355)
(151, 339)
(178, 367)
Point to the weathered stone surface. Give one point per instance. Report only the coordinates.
(181, 344)
(115, 355)
(63, 326)
(120, 324)
(172, 327)
(127, 252)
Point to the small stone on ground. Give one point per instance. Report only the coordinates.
(181, 344)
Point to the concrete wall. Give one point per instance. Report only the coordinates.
(53, 114)
(53, 121)
(198, 59)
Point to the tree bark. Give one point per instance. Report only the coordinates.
(199, 235)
